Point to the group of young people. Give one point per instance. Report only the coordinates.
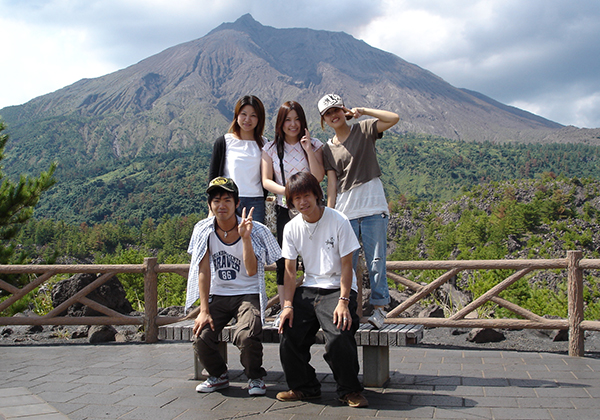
(231, 247)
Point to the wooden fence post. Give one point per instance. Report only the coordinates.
(575, 284)
(150, 300)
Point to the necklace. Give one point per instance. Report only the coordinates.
(310, 235)
(225, 232)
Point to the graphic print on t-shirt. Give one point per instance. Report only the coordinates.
(226, 265)
(330, 243)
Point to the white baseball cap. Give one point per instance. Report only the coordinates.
(328, 101)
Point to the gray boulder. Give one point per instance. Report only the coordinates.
(485, 335)
(111, 294)
(101, 334)
(432, 311)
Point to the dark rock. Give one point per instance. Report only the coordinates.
(459, 332)
(34, 329)
(6, 332)
(101, 334)
(432, 311)
(540, 333)
(560, 335)
(111, 294)
(485, 335)
(172, 311)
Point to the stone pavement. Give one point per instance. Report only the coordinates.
(152, 381)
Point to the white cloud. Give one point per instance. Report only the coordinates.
(41, 60)
(536, 54)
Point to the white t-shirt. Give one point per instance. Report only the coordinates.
(242, 164)
(322, 246)
(230, 277)
(365, 200)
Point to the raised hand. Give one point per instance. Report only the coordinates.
(305, 140)
(245, 226)
(353, 113)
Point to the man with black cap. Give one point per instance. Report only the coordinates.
(227, 274)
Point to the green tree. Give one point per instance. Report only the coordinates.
(17, 201)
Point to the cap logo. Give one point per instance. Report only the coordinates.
(219, 181)
(329, 100)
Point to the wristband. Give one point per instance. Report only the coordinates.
(345, 299)
(288, 307)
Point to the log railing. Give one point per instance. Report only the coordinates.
(150, 319)
(573, 263)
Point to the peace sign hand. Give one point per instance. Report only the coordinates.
(245, 226)
(353, 113)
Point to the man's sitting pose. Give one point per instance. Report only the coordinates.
(327, 298)
(227, 274)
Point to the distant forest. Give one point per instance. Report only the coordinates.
(417, 168)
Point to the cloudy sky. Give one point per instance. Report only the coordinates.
(539, 55)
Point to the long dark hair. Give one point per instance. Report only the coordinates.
(259, 108)
(283, 112)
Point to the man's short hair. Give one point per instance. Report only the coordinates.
(300, 183)
(221, 185)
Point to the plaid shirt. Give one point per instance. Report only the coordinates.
(265, 247)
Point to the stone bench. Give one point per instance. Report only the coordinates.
(375, 344)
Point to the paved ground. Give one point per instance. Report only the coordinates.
(141, 381)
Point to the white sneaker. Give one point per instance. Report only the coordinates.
(213, 383)
(378, 318)
(257, 387)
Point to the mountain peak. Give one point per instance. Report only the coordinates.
(245, 23)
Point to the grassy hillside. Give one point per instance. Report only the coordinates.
(541, 218)
(431, 168)
(151, 187)
(420, 168)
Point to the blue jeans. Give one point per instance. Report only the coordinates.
(313, 309)
(372, 230)
(259, 207)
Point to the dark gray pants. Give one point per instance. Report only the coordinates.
(247, 336)
(313, 309)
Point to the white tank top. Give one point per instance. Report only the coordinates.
(229, 276)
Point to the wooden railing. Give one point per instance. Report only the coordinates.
(150, 270)
(573, 263)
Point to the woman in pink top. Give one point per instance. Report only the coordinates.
(292, 151)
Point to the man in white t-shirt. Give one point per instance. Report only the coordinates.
(227, 274)
(326, 300)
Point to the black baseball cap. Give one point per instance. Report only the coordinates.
(223, 183)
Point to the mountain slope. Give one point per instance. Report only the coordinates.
(186, 94)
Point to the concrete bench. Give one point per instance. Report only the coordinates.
(375, 344)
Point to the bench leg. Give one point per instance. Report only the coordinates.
(199, 372)
(376, 365)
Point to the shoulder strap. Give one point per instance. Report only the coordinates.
(280, 156)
